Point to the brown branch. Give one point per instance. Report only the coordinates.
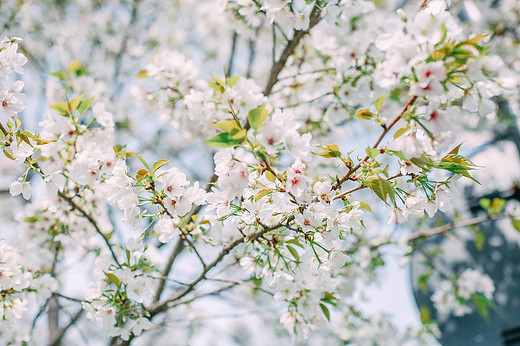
(386, 129)
(452, 225)
(360, 187)
(158, 307)
(124, 42)
(4, 131)
(53, 318)
(61, 332)
(232, 54)
(204, 294)
(289, 49)
(92, 222)
(179, 246)
(244, 283)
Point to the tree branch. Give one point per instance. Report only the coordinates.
(452, 225)
(232, 54)
(360, 187)
(92, 222)
(289, 49)
(386, 129)
(158, 307)
(62, 331)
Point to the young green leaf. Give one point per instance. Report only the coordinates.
(326, 311)
(84, 105)
(73, 105)
(231, 81)
(514, 222)
(113, 279)
(257, 116)
(142, 74)
(227, 126)
(379, 103)
(158, 165)
(364, 114)
(294, 253)
(61, 107)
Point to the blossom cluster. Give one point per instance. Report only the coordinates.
(281, 201)
(453, 297)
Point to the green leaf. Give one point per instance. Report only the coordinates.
(73, 105)
(331, 150)
(262, 193)
(479, 240)
(215, 86)
(365, 206)
(158, 165)
(222, 140)
(59, 74)
(296, 242)
(423, 281)
(398, 154)
(270, 176)
(444, 33)
(482, 304)
(239, 135)
(84, 105)
(485, 203)
(372, 152)
(401, 131)
(425, 314)
(31, 219)
(294, 253)
(231, 81)
(379, 103)
(227, 126)
(218, 81)
(143, 161)
(455, 150)
(257, 116)
(497, 205)
(74, 66)
(141, 174)
(60, 107)
(326, 311)
(473, 41)
(142, 74)
(8, 154)
(381, 187)
(516, 224)
(364, 114)
(113, 279)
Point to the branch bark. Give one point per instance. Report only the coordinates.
(386, 129)
(93, 222)
(289, 49)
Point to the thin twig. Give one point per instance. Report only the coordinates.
(308, 101)
(124, 43)
(232, 54)
(179, 246)
(386, 129)
(360, 187)
(239, 282)
(61, 332)
(92, 222)
(289, 49)
(204, 294)
(452, 225)
(158, 307)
